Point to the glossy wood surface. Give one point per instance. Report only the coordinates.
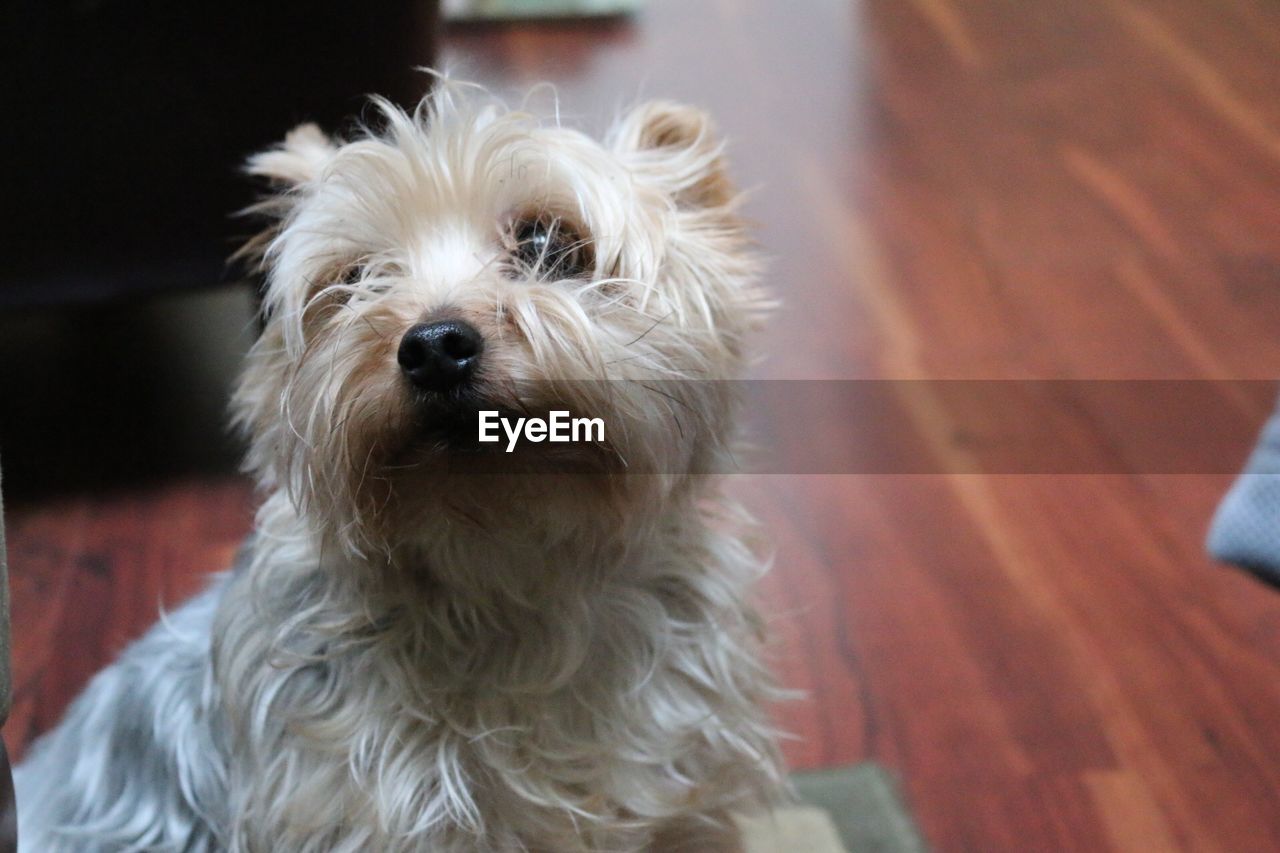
(1029, 189)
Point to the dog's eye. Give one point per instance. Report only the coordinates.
(550, 248)
(351, 274)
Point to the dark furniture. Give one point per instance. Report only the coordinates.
(128, 121)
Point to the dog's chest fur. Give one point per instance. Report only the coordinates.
(610, 700)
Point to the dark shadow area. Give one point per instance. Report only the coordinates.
(97, 398)
(129, 122)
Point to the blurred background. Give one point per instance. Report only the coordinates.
(947, 189)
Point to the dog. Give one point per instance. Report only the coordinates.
(432, 644)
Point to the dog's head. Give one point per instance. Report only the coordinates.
(469, 258)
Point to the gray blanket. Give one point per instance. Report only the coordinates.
(1246, 528)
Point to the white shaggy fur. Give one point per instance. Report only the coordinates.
(421, 649)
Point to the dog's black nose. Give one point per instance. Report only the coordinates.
(440, 356)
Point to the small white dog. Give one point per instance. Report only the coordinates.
(432, 644)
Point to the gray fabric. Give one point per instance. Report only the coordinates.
(864, 804)
(1246, 528)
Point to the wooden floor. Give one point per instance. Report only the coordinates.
(1009, 189)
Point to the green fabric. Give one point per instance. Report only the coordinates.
(865, 806)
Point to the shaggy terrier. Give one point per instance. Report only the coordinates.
(431, 643)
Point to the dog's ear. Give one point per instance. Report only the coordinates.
(298, 160)
(291, 165)
(677, 147)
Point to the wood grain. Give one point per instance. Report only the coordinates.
(947, 189)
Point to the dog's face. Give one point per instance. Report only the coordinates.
(467, 258)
